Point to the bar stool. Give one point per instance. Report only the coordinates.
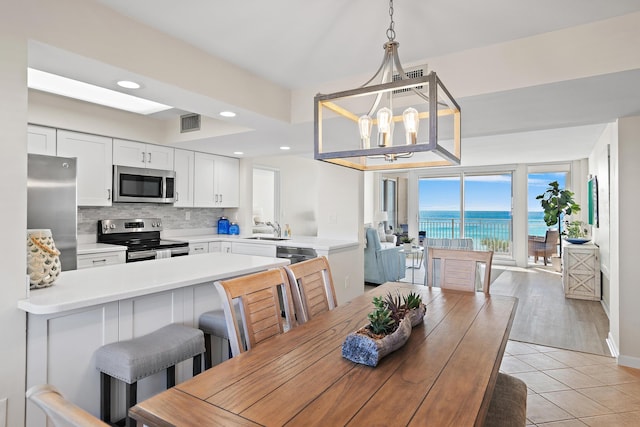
(138, 358)
(213, 323)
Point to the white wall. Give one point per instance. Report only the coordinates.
(628, 206)
(13, 213)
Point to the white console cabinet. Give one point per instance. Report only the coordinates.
(581, 271)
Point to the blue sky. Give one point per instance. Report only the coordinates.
(482, 192)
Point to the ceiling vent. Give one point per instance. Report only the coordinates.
(412, 72)
(189, 123)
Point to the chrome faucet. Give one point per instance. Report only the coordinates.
(276, 228)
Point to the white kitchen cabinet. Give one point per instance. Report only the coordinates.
(141, 155)
(253, 249)
(217, 181)
(94, 154)
(41, 140)
(198, 248)
(101, 259)
(183, 162)
(581, 271)
(215, 246)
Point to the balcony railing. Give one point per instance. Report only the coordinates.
(490, 234)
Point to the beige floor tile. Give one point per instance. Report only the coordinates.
(540, 410)
(516, 347)
(541, 361)
(627, 419)
(565, 423)
(578, 405)
(612, 398)
(539, 382)
(511, 364)
(608, 375)
(573, 378)
(575, 359)
(543, 348)
(632, 389)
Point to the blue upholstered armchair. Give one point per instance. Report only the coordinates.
(382, 264)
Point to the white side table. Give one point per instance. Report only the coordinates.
(416, 254)
(581, 271)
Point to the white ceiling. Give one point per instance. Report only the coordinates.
(303, 44)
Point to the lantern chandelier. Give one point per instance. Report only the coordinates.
(344, 121)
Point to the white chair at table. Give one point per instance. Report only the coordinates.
(459, 269)
(464, 244)
(256, 292)
(312, 288)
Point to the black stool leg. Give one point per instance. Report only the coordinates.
(131, 396)
(208, 356)
(171, 376)
(105, 397)
(197, 364)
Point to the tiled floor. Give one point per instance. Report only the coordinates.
(570, 389)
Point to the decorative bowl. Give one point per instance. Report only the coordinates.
(577, 240)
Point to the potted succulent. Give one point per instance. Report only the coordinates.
(407, 243)
(389, 328)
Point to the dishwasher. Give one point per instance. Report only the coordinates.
(295, 254)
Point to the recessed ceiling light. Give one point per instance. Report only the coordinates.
(227, 114)
(64, 86)
(285, 148)
(239, 153)
(128, 84)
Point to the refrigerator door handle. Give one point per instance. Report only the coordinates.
(108, 194)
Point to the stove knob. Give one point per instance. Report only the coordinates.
(112, 226)
(154, 224)
(159, 224)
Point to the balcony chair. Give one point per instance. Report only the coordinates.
(312, 288)
(457, 244)
(381, 264)
(61, 412)
(260, 312)
(543, 246)
(459, 269)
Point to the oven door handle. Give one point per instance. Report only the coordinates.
(180, 251)
(141, 254)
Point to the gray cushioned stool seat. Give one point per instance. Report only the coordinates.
(508, 407)
(135, 359)
(213, 323)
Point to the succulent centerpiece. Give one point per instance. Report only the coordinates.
(389, 328)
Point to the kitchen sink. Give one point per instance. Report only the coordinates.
(267, 238)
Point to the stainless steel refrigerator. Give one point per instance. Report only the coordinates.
(52, 203)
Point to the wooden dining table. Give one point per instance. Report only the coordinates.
(443, 376)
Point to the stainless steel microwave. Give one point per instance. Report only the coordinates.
(143, 185)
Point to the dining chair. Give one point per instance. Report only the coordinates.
(60, 411)
(458, 269)
(260, 312)
(311, 288)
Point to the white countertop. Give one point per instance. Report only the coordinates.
(93, 248)
(317, 243)
(84, 288)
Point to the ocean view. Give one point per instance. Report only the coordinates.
(478, 224)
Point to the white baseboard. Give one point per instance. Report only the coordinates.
(631, 362)
(612, 346)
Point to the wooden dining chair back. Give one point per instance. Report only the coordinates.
(459, 269)
(61, 412)
(260, 309)
(311, 287)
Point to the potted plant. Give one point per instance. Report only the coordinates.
(389, 328)
(557, 202)
(407, 243)
(577, 232)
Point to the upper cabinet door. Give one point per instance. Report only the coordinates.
(227, 182)
(183, 166)
(141, 155)
(203, 190)
(41, 140)
(94, 154)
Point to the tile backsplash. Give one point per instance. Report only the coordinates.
(172, 218)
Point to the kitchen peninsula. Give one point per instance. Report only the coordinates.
(86, 309)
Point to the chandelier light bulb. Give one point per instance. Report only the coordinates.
(385, 127)
(365, 123)
(411, 123)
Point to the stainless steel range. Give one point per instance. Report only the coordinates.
(141, 236)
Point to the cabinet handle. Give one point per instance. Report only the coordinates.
(142, 157)
(108, 194)
(221, 198)
(177, 196)
(215, 198)
(148, 157)
(96, 261)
